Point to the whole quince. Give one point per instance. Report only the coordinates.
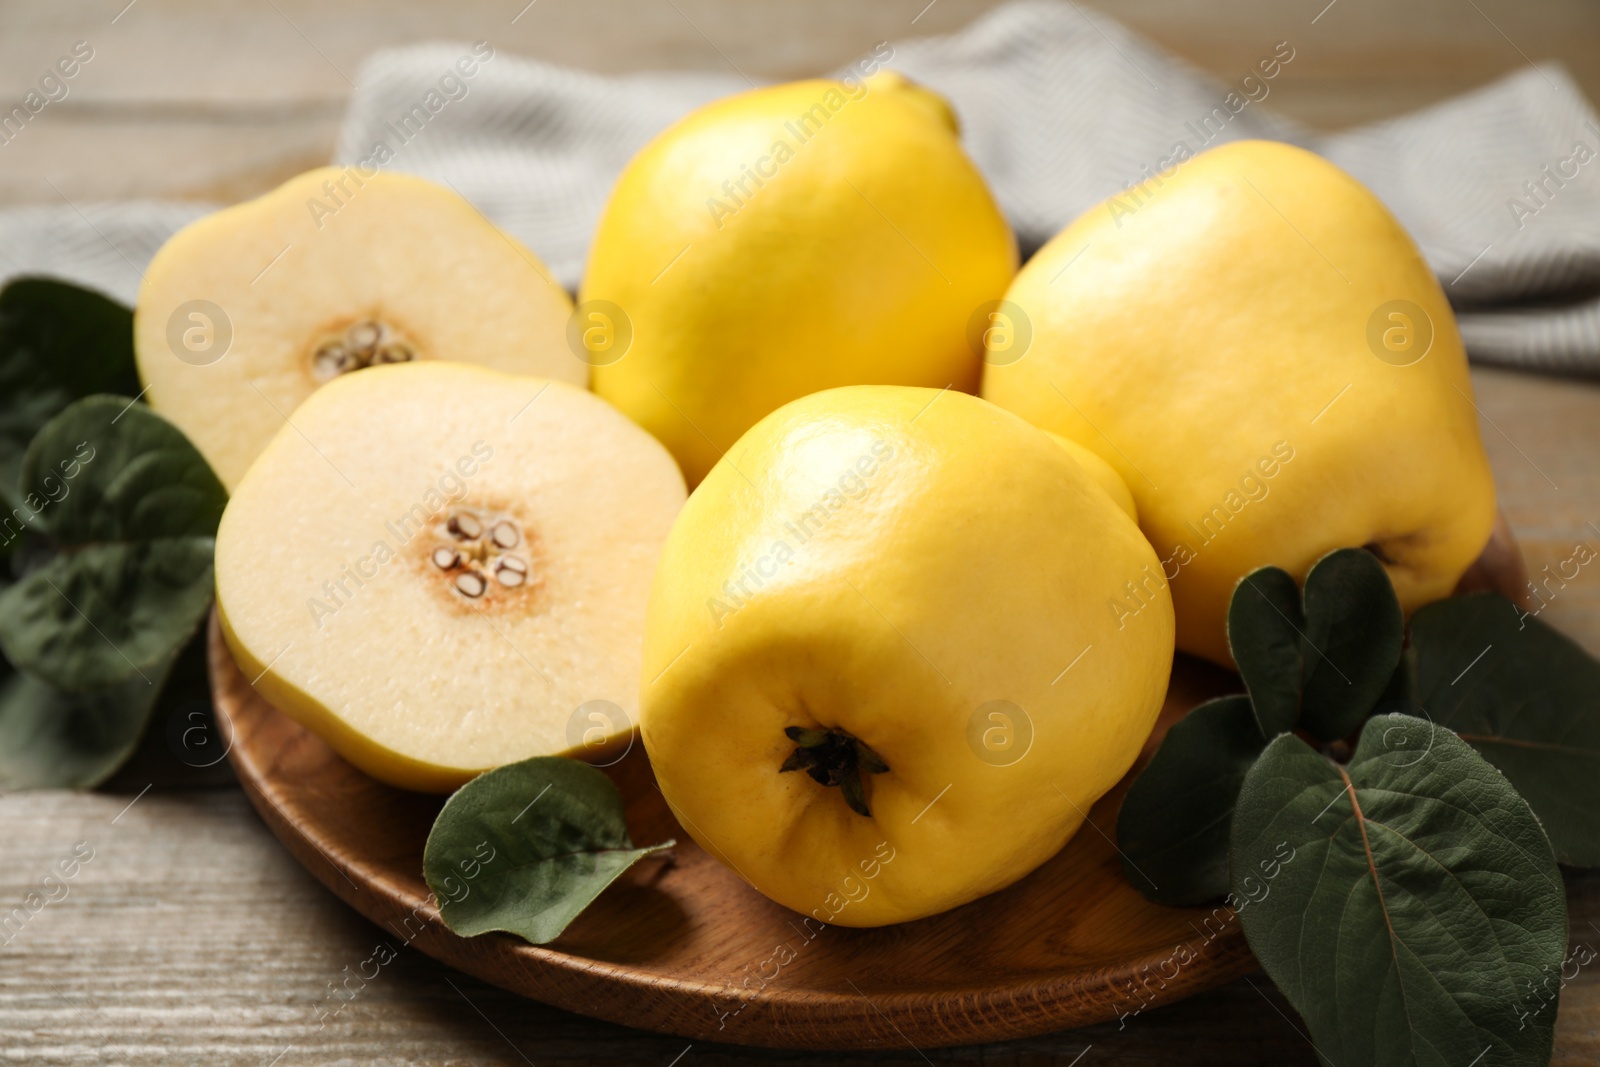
(788, 240)
(1260, 350)
(879, 677)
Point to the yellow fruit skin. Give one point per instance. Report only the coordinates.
(1103, 473)
(286, 266)
(859, 258)
(941, 554)
(1213, 327)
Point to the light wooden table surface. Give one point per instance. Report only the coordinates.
(191, 937)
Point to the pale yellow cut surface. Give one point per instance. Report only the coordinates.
(329, 591)
(291, 269)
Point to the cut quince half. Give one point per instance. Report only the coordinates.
(244, 313)
(440, 569)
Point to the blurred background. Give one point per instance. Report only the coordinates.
(218, 100)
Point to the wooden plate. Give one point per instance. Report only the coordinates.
(686, 947)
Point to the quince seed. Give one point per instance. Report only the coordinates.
(471, 583)
(363, 337)
(505, 535)
(466, 526)
(446, 558)
(514, 563)
(510, 577)
(330, 361)
(394, 352)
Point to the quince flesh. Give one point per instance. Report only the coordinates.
(440, 569)
(246, 311)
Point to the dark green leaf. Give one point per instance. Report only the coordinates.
(1401, 692)
(1354, 631)
(1265, 634)
(1413, 904)
(58, 342)
(525, 847)
(1173, 827)
(52, 740)
(106, 614)
(142, 480)
(131, 511)
(1528, 699)
(1319, 663)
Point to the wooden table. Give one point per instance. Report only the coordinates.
(191, 937)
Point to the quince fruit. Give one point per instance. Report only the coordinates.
(880, 680)
(440, 569)
(1261, 352)
(1104, 474)
(788, 240)
(245, 312)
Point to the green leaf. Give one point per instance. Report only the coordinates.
(1173, 826)
(1265, 625)
(1528, 699)
(54, 740)
(128, 511)
(1354, 632)
(58, 342)
(1320, 665)
(526, 847)
(1420, 904)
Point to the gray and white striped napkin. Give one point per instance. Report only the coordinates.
(1060, 108)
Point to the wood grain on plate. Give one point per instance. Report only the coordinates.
(684, 946)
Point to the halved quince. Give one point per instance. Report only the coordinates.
(245, 312)
(440, 569)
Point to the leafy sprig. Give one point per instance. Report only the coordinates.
(1523, 695)
(1422, 904)
(58, 343)
(526, 847)
(1424, 897)
(107, 517)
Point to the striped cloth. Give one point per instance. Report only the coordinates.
(1060, 108)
